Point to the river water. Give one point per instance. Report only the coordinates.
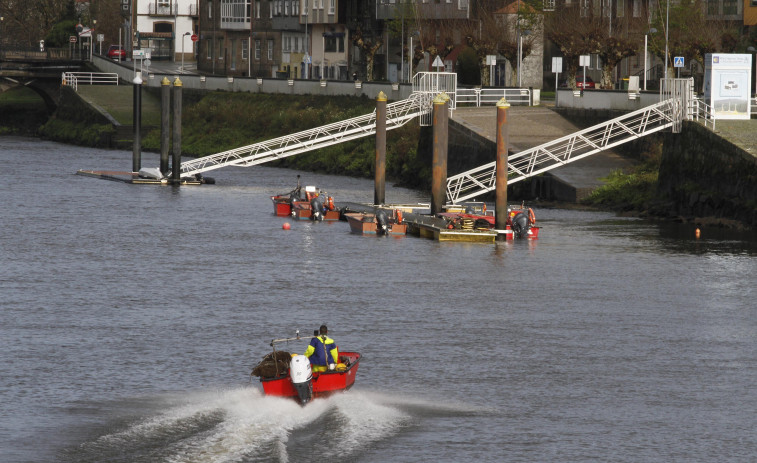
(132, 316)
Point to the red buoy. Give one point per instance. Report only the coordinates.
(286, 226)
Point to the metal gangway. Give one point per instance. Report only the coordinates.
(419, 104)
(533, 161)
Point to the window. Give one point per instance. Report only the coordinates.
(270, 49)
(637, 8)
(712, 7)
(730, 7)
(621, 8)
(210, 10)
(245, 49)
(270, 8)
(584, 8)
(257, 49)
(233, 54)
(220, 48)
(296, 44)
(334, 43)
(210, 48)
(332, 6)
(235, 13)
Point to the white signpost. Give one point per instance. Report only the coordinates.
(438, 63)
(584, 60)
(491, 60)
(557, 69)
(727, 82)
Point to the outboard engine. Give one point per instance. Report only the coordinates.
(316, 208)
(520, 224)
(382, 222)
(301, 376)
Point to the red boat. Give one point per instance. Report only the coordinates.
(300, 206)
(521, 222)
(289, 375)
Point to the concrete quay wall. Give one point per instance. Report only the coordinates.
(704, 175)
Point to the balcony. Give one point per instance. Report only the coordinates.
(163, 9)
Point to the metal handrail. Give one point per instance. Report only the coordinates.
(486, 96)
(556, 153)
(73, 79)
(704, 111)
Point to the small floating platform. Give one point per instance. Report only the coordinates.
(446, 234)
(134, 178)
(365, 224)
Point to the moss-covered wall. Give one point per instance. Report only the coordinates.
(703, 175)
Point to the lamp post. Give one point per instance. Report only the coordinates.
(753, 50)
(667, 16)
(646, 56)
(410, 55)
(182, 50)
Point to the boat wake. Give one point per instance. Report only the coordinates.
(242, 425)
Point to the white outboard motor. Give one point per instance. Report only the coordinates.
(301, 376)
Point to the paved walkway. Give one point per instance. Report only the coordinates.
(536, 125)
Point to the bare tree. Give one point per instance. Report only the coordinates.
(369, 48)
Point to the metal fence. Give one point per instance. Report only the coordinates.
(73, 79)
(490, 96)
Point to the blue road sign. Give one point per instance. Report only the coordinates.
(678, 62)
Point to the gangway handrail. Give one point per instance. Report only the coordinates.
(570, 148)
(397, 114)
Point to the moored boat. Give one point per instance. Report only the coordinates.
(283, 374)
(379, 223)
(521, 221)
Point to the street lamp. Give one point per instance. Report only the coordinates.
(410, 56)
(182, 50)
(646, 57)
(753, 50)
(667, 16)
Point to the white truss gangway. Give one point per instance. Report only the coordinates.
(533, 161)
(426, 85)
(397, 114)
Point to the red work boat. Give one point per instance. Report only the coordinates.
(289, 375)
(521, 222)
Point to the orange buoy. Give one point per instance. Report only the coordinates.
(697, 233)
(531, 216)
(286, 226)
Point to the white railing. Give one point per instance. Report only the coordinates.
(430, 84)
(533, 161)
(490, 96)
(73, 79)
(703, 111)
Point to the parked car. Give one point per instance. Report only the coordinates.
(580, 82)
(116, 52)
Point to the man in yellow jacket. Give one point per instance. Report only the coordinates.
(322, 352)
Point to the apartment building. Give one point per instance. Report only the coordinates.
(164, 27)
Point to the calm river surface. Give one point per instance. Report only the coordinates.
(132, 315)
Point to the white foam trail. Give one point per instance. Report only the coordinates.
(233, 425)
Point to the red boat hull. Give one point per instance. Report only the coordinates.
(301, 211)
(324, 384)
(282, 206)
